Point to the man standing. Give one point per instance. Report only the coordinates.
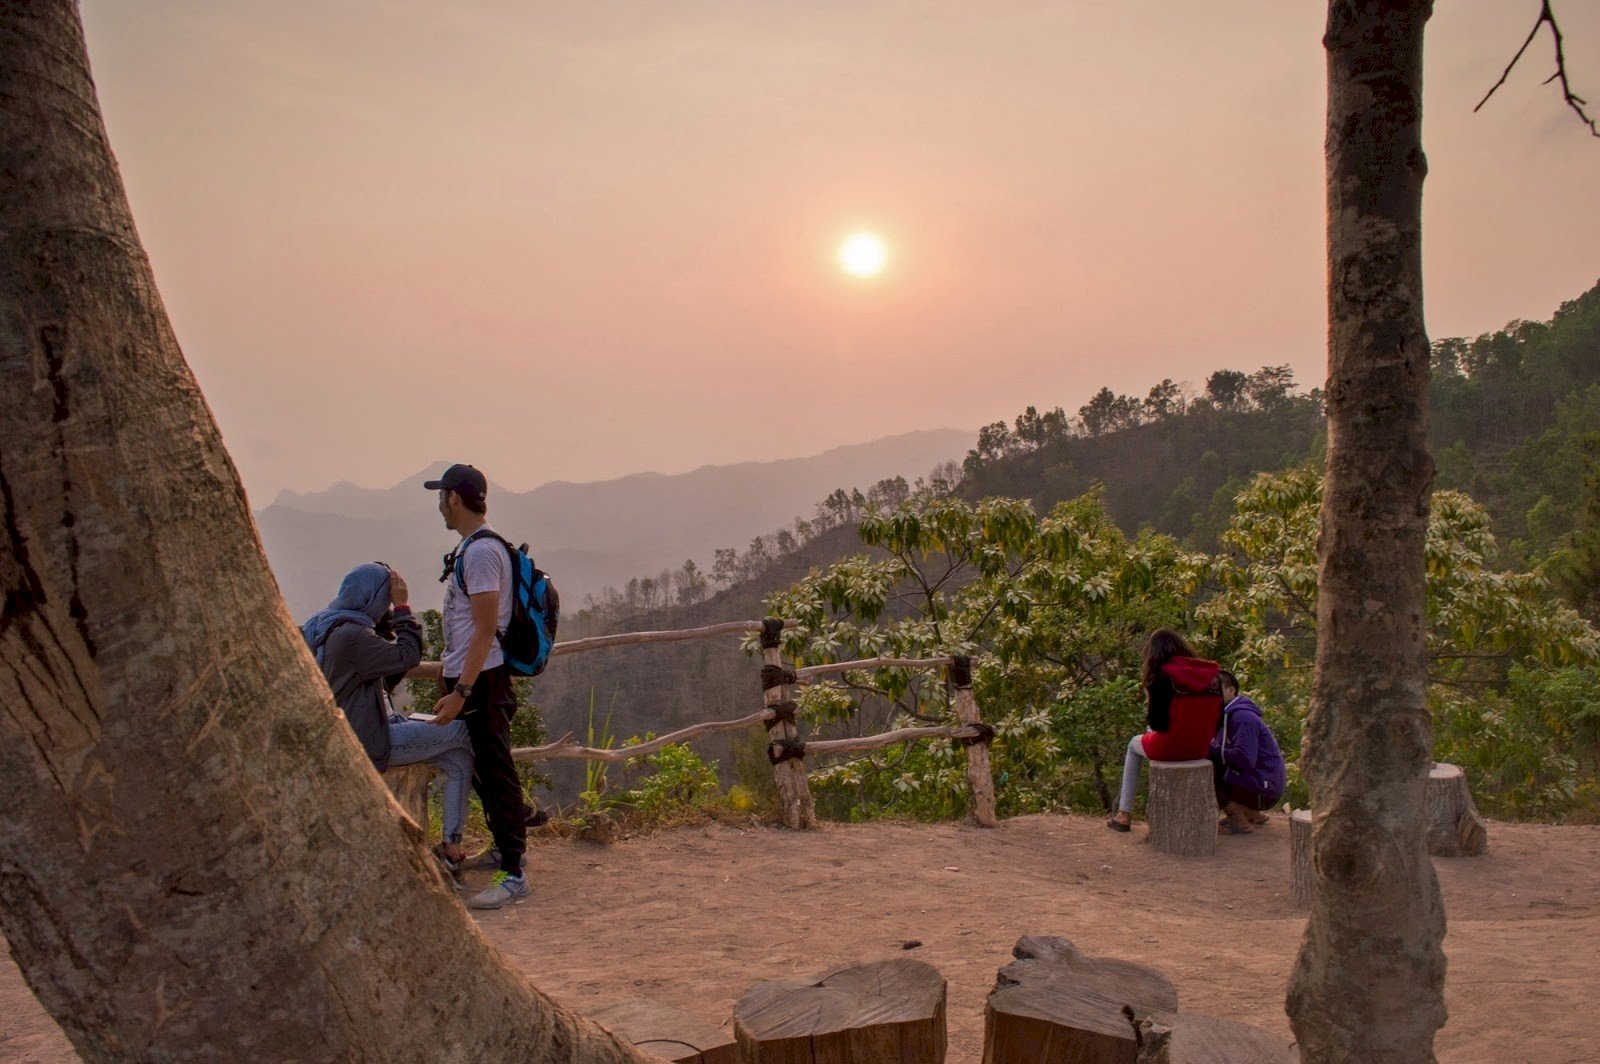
(475, 681)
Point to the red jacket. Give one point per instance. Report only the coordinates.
(1184, 710)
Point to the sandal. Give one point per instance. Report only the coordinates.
(1228, 827)
(451, 865)
(1116, 825)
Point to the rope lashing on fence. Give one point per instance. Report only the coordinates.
(781, 713)
(984, 737)
(776, 676)
(960, 672)
(781, 750)
(772, 631)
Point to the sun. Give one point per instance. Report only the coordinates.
(863, 255)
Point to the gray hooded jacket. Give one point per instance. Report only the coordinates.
(361, 667)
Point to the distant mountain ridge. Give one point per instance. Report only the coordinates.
(586, 535)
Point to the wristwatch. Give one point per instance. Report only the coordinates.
(462, 689)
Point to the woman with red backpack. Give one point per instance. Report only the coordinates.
(1183, 701)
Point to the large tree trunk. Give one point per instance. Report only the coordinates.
(1368, 984)
(196, 860)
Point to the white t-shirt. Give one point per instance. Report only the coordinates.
(484, 568)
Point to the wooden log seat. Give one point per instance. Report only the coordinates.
(1454, 827)
(668, 1032)
(1302, 881)
(1053, 1005)
(891, 1011)
(409, 785)
(1183, 808)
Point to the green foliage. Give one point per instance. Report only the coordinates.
(1056, 608)
(1496, 640)
(679, 785)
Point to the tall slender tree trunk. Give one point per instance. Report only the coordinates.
(196, 860)
(1368, 983)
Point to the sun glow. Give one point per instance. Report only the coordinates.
(863, 255)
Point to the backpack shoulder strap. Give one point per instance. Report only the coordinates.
(461, 553)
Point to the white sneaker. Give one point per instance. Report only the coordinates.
(503, 889)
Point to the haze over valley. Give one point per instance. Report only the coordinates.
(586, 535)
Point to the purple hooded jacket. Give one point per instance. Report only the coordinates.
(1247, 750)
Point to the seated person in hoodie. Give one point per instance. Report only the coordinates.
(365, 641)
(1249, 766)
(1182, 704)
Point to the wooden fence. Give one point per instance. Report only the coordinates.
(785, 748)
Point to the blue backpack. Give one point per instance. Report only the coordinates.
(528, 639)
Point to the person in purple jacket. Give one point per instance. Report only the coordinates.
(1249, 765)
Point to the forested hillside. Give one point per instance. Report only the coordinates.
(1515, 411)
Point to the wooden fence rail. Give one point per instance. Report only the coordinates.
(785, 749)
(811, 672)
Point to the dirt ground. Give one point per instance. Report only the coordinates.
(692, 917)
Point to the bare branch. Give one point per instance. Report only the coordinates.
(1573, 100)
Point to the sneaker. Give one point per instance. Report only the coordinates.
(502, 890)
(489, 858)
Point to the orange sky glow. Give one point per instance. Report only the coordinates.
(374, 224)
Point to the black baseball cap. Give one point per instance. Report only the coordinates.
(461, 479)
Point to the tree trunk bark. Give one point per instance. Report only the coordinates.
(197, 861)
(1368, 983)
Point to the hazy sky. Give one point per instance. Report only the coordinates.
(575, 240)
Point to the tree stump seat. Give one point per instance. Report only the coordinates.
(1183, 808)
(1053, 1005)
(668, 1032)
(1454, 827)
(891, 1011)
(409, 785)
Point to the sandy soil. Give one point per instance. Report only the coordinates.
(692, 917)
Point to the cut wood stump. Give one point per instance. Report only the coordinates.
(1198, 1039)
(1302, 881)
(1053, 1005)
(891, 1011)
(1454, 827)
(669, 1033)
(1183, 808)
(409, 785)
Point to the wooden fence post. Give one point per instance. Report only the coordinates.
(784, 748)
(980, 777)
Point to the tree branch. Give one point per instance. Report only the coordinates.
(1574, 101)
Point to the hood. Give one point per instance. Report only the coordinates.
(363, 599)
(1242, 704)
(1191, 675)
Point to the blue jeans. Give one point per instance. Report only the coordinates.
(1131, 764)
(447, 747)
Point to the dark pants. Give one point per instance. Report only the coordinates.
(488, 715)
(1230, 792)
